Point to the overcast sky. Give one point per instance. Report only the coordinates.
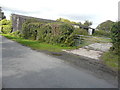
(96, 11)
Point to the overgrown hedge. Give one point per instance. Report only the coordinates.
(53, 33)
(115, 36)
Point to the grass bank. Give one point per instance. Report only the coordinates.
(111, 60)
(37, 45)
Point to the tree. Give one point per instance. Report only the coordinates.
(106, 26)
(5, 22)
(79, 23)
(66, 21)
(87, 23)
(63, 20)
(2, 16)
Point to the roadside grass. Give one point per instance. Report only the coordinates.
(111, 60)
(37, 45)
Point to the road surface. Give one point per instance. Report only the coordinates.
(26, 68)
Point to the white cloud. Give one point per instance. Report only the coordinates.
(95, 10)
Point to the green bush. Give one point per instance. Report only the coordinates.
(5, 22)
(102, 33)
(6, 29)
(42, 33)
(66, 29)
(6, 26)
(115, 36)
(79, 31)
(29, 30)
(70, 41)
(56, 33)
(16, 33)
(53, 33)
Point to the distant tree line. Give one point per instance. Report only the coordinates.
(86, 23)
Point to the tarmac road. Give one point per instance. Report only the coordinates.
(26, 68)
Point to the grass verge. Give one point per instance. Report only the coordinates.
(111, 60)
(37, 45)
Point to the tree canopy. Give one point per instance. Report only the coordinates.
(87, 23)
(67, 21)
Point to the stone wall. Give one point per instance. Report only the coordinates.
(18, 20)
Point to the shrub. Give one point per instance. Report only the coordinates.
(115, 36)
(79, 31)
(42, 33)
(30, 29)
(16, 33)
(6, 29)
(70, 41)
(5, 22)
(52, 33)
(56, 33)
(66, 29)
(6, 26)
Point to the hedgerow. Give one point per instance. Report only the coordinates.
(53, 33)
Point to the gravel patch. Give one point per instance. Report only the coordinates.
(85, 52)
(93, 51)
(99, 46)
